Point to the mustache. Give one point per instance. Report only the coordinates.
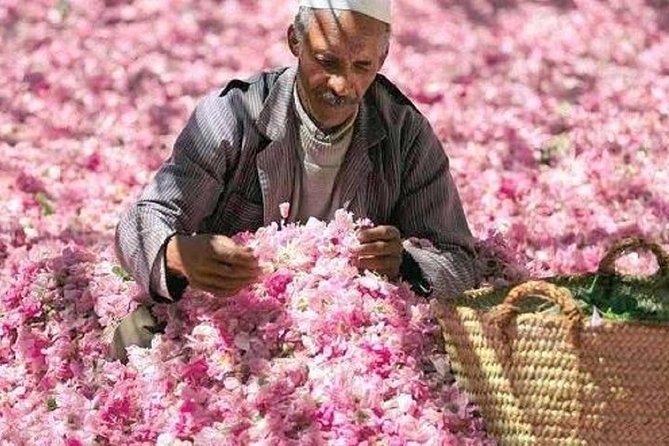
(334, 100)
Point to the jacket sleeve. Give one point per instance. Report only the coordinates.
(432, 220)
(183, 192)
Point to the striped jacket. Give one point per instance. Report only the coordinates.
(236, 159)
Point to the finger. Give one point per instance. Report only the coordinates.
(222, 281)
(380, 248)
(234, 257)
(234, 260)
(237, 256)
(227, 251)
(380, 262)
(238, 271)
(388, 265)
(219, 287)
(224, 270)
(216, 291)
(377, 233)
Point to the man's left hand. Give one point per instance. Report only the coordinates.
(380, 250)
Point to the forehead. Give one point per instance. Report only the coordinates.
(332, 29)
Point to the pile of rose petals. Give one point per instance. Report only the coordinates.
(314, 352)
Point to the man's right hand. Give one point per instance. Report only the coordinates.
(212, 263)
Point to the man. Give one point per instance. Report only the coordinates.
(328, 134)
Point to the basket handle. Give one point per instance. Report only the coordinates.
(507, 310)
(608, 263)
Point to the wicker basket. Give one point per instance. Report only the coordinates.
(544, 378)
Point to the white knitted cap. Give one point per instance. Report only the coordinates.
(378, 9)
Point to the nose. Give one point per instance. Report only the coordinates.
(340, 84)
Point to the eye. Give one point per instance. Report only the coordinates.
(327, 62)
(363, 67)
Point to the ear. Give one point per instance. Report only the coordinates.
(383, 60)
(293, 41)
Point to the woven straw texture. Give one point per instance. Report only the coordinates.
(557, 379)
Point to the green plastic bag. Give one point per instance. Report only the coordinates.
(606, 292)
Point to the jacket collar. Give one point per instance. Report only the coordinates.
(278, 107)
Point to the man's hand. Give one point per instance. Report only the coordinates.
(212, 263)
(380, 250)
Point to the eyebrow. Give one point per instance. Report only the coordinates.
(329, 54)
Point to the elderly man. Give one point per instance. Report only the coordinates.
(331, 133)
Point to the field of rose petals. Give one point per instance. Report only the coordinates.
(555, 115)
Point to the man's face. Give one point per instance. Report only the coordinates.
(337, 62)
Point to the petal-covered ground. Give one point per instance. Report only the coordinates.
(555, 116)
